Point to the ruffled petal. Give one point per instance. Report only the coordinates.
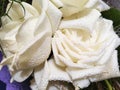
(111, 70)
(21, 76)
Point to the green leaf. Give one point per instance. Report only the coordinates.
(108, 85)
(114, 15)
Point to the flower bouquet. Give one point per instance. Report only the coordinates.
(59, 45)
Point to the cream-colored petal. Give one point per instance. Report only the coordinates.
(71, 64)
(17, 12)
(102, 6)
(98, 4)
(8, 26)
(22, 75)
(35, 53)
(40, 4)
(30, 11)
(65, 58)
(91, 3)
(55, 51)
(111, 69)
(8, 38)
(81, 83)
(32, 27)
(41, 76)
(102, 32)
(85, 23)
(84, 73)
(26, 32)
(57, 3)
(109, 51)
(43, 24)
(54, 15)
(70, 7)
(61, 49)
(57, 73)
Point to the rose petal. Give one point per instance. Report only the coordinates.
(85, 23)
(57, 73)
(98, 4)
(111, 70)
(21, 76)
(54, 16)
(41, 75)
(81, 83)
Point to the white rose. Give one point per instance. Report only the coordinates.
(26, 39)
(85, 49)
(70, 7)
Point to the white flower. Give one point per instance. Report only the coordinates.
(27, 37)
(84, 52)
(85, 49)
(70, 7)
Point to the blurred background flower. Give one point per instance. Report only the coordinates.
(113, 3)
(5, 79)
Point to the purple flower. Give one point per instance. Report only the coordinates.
(5, 78)
(0, 55)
